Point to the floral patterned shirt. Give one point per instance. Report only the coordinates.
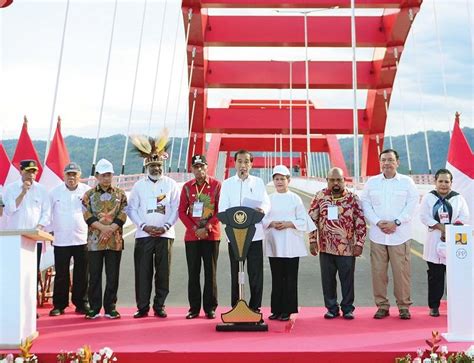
(107, 207)
(338, 236)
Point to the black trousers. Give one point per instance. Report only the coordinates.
(152, 254)
(112, 271)
(284, 284)
(344, 266)
(207, 252)
(255, 271)
(436, 276)
(62, 261)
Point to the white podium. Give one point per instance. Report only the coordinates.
(460, 281)
(18, 287)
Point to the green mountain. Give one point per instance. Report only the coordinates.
(81, 151)
(438, 145)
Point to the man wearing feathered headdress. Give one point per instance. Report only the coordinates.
(153, 207)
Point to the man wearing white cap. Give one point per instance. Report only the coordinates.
(104, 213)
(70, 242)
(153, 208)
(246, 190)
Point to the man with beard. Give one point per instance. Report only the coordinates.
(246, 190)
(153, 207)
(198, 212)
(339, 239)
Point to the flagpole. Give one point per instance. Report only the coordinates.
(48, 141)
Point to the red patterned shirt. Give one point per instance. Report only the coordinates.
(338, 236)
(208, 194)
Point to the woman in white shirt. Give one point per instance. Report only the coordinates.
(440, 207)
(285, 226)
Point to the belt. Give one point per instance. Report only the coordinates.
(152, 211)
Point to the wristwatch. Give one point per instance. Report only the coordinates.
(397, 222)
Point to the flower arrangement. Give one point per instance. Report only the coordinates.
(435, 353)
(82, 355)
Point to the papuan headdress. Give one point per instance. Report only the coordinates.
(151, 149)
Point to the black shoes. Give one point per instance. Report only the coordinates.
(140, 314)
(381, 313)
(434, 312)
(284, 317)
(113, 314)
(331, 315)
(348, 316)
(274, 316)
(211, 314)
(161, 313)
(192, 315)
(56, 312)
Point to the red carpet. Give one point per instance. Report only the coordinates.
(308, 338)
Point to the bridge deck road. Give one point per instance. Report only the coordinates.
(309, 289)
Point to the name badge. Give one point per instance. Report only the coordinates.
(333, 212)
(443, 217)
(198, 208)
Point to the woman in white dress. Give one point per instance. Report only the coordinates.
(439, 207)
(285, 226)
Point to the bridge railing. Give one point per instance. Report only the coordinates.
(126, 182)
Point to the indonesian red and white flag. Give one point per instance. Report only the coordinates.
(461, 164)
(8, 172)
(26, 150)
(58, 158)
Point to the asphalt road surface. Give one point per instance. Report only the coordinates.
(310, 291)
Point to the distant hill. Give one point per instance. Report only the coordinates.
(438, 144)
(81, 150)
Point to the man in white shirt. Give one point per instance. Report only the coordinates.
(389, 201)
(153, 207)
(244, 189)
(70, 241)
(27, 203)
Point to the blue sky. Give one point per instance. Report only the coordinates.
(30, 37)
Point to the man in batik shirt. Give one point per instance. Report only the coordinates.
(104, 213)
(339, 239)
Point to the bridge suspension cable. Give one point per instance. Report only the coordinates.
(158, 59)
(443, 66)
(172, 67)
(184, 69)
(422, 102)
(407, 146)
(133, 90)
(99, 125)
(48, 141)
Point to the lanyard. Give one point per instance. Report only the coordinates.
(199, 192)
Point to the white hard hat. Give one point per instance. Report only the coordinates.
(104, 166)
(282, 170)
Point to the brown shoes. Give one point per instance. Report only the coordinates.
(381, 313)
